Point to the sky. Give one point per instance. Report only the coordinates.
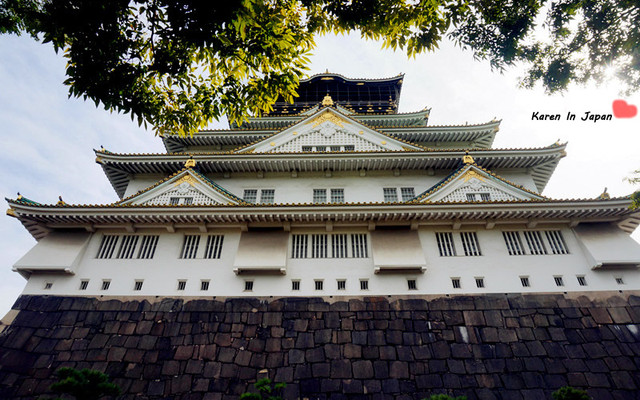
(48, 138)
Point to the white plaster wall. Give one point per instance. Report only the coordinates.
(501, 272)
(357, 188)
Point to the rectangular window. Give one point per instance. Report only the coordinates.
(558, 280)
(582, 281)
(359, 245)
(187, 201)
(556, 242)
(107, 246)
(214, 246)
(620, 281)
(319, 284)
(337, 195)
(485, 197)
(319, 246)
(174, 201)
(84, 284)
(127, 246)
(182, 285)
(190, 246)
(342, 284)
(445, 244)
(248, 286)
(534, 242)
(407, 193)
(390, 194)
(321, 148)
(364, 284)
(471, 197)
(148, 246)
(349, 147)
(455, 282)
(250, 195)
(137, 285)
(524, 280)
(412, 285)
(307, 148)
(299, 246)
(339, 245)
(204, 285)
(335, 148)
(267, 196)
(105, 284)
(513, 242)
(319, 196)
(479, 282)
(295, 285)
(470, 243)
(48, 285)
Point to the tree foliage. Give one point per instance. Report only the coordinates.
(266, 390)
(445, 397)
(635, 197)
(570, 393)
(85, 384)
(178, 64)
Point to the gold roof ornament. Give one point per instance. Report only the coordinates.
(467, 159)
(604, 195)
(19, 196)
(327, 101)
(190, 163)
(61, 202)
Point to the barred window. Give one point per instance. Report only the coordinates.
(470, 243)
(267, 196)
(307, 148)
(127, 246)
(558, 280)
(250, 195)
(204, 285)
(513, 242)
(412, 285)
(321, 148)
(214, 246)
(299, 246)
(319, 246)
(390, 194)
(620, 281)
(524, 280)
(107, 246)
(187, 201)
(342, 284)
(137, 285)
(337, 195)
(534, 242)
(364, 284)
(319, 196)
(319, 284)
(479, 282)
(174, 201)
(335, 148)
(148, 246)
(359, 245)
(182, 285)
(445, 244)
(105, 284)
(248, 286)
(339, 245)
(485, 197)
(48, 285)
(455, 282)
(349, 147)
(582, 281)
(295, 285)
(471, 197)
(407, 193)
(190, 246)
(84, 284)
(556, 242)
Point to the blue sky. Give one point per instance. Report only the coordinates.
(48, 139)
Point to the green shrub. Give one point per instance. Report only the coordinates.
(86, 384)
(267, 390)
(445, 397)
(569, 393)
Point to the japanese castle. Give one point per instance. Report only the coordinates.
(335, 194)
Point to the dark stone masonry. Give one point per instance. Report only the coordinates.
(485, 347)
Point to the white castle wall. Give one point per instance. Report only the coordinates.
(501, 272)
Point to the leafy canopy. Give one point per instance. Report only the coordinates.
(177, 65)
(85, 384)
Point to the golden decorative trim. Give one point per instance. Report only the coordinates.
(272, 144)
(190, 163)
(188, 179)
(327, 116)
(327, 101)
(470, 174)
(467, 159)
(12, 213)
(384, 142)
(99, 160)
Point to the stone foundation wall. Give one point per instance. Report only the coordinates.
(485, 347)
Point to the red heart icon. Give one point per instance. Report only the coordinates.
(623, 110)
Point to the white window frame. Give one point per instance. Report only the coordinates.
(446, 245)
(456, 282)
(364, 284)
(407, 193)
(319, 196)
(84, 284)
(390, 194)
(341, 284)
(137, 285)
(559, 281)
(329, 245)
(204, 285)
(295, 285)
(470, 244)
(182, 285)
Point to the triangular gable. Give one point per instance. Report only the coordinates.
(328, 130)
(187, 187)
(471, 183)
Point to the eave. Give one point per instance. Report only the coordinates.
(41, 219)
(120, 167)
